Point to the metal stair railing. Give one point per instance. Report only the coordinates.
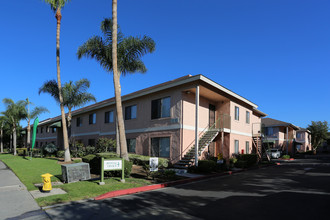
(201, 145)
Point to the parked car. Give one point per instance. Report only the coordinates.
(274, 153)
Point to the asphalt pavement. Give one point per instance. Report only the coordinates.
(15, 201)
(298, 189)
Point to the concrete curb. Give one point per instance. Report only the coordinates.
(123, 192)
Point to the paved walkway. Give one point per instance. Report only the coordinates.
(15, 201)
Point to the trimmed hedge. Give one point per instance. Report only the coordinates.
(144, 160)
(246, 160)
(21, 151)
(206, 166)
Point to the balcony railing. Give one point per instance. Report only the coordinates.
(223, 122)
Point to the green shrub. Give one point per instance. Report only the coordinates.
(89, 150)
(164, 174)
(232, 160)
(49, 149)
(22, 151)
(105, 145)
(77, 160)
(143, 160)
(286, 157)
(60, 154)
(77, 149)
(246, 160)
(206, 166)
(241, 164)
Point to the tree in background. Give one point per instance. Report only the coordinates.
(31, 115)
(2, 124)
(128, 54)
(319, 133)
(14, 113)
(74, 95)
(56, 6)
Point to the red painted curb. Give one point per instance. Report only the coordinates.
(129, 191)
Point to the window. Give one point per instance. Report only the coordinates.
(247, 147)
(299, 135)
(108, 117)
(131, 145)
(47, 129)
(37, 143)
(236, 146)
(92, 118)
(236, 113)
(247, 117)
(91, 142)
(79, 122)
(53, 130)
(37, 130)
(160, 147)
(41, 130)
(270, 131)
(130, 112)
(161, 108)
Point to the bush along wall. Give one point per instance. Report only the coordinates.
(246, 160)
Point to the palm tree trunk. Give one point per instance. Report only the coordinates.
(116, 81)
(28, 135)
(1, 141)
(14, 139)
(117, 138)
(58, 17)
(11, 143)
(69, 125)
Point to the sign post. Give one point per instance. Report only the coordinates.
(111, 165)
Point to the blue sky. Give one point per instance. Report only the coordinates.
(275, 53)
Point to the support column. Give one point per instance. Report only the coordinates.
(196, 124)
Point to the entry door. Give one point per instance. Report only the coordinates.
(211, 115)
(211, 122)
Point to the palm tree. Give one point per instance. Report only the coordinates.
(74, 95)
(14, 113)
(130, 49)
(56, 6)
(2, 124)
(30, 115)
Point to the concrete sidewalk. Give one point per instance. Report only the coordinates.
(15, 201)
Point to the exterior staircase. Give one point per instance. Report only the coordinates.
(257, 143)
(189, 158)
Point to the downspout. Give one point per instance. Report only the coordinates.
(196, 124)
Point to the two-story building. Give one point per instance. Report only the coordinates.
(168, 120)
(285, 136)
(303, 140)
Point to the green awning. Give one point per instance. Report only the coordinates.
(56, 125)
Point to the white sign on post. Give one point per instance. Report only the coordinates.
(112, 164)
(153, 162)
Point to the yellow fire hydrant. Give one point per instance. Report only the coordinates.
(47, 183)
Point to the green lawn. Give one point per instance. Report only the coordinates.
(29, 172)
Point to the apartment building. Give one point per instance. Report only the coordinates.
(163, 121)
(285, 136)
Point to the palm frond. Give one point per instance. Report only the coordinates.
(55, 4)
(38, 111)
(51, 88)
